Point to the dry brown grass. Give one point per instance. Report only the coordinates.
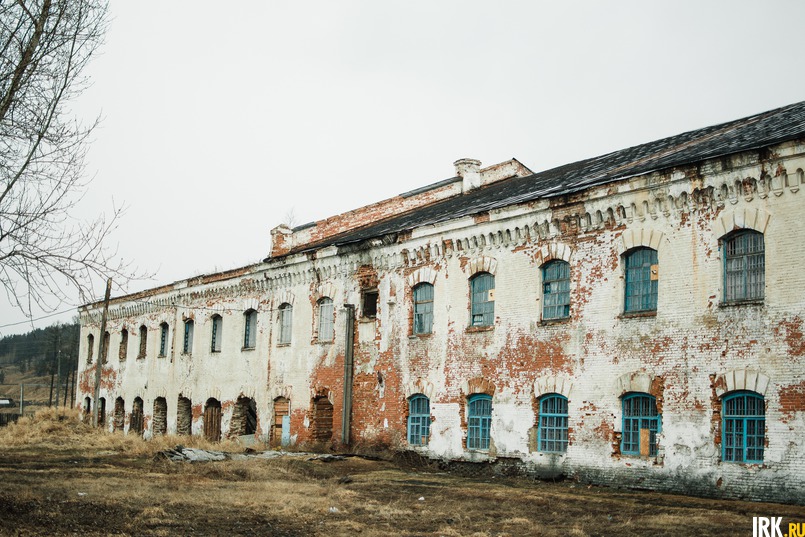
(63, 477)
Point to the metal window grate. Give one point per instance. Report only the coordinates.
(639, 414)
(423, 308)
(217, 333)
(187, 344)
(482, 288)
(418, 420)
(556, 290)
(641, 284)
(553, 423)
(250, 329)
(163, 339)
(744, 267)
(744, 427)
(479, 422)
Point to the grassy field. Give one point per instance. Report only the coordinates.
(60, 477)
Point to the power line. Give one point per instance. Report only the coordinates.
(36, 319)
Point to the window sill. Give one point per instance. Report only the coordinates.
(738, 303)
(188, 354)
(288, 344)
(215, 352)
(558, 320)
(247, 349)
(476, 329)
(162, 355)
(421, 336)
(637, 314)
(320, 342)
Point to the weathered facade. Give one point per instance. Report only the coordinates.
(632, 319)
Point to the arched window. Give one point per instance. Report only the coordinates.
(418, 420)
(187, 341)
(553, 423)
(143, 342)
(744, 266)
(163, 339)
(286, 323)
(479, 420)
(106, 340)
(423, 308)
(744, 415)
(326, 327)
(90, 347)
(641, 280)
(216, 338)
(556, 290)
(641, 424)
(249, 329)
(482, 294)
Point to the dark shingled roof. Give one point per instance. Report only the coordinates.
(750, 133)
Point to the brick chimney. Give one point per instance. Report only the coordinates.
(469, 171)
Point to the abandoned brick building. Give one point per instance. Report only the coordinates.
(634, 318)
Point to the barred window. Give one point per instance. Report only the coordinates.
(553, 423)
(641, 421)
(482, 294)
(285, 320)
(418, 420)
(744, 266)
(326, 321)
(423, 308)
(163, 339)
(641, 280)
(556, 290)
(479, 421)
(744, 427)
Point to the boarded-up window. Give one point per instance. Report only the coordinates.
(120, 414)
(136, 423)
(282, 408)
(212, 420)
(184, 416)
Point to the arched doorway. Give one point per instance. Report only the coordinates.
(212, 420)
(244, 417)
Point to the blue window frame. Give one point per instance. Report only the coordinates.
(744, 266)
(482, 292)
(217, 333)
(640, 417)
(552, 430)
(744, 415)
(479, 421)
(163, 339)
(556, 290)
(249, 329)
(423, 308)
(187, 343)
(418, 420)
(641, 280)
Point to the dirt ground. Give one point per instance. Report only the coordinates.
(63, 478)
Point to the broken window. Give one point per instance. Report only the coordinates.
(143, 342)
(641, 280)
(418, 420)
(423, 308)
(90, 347)
(163, 339)
(217, 333)
(187, 343)
(326, 324)
(552, 433)
(482, 296)
(122, 352)
(744, 427)
(106, 339)
(556, 290)
(744, 266)
(285, 320)
(249, 329)
(641, 425)
(369, 306)
(479, 421)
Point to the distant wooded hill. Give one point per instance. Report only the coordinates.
(37, 352)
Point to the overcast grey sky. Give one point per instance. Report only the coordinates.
(218, 118)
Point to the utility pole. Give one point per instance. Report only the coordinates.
(58, 363)
(101, 351)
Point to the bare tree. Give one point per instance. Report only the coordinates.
(45, 252)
